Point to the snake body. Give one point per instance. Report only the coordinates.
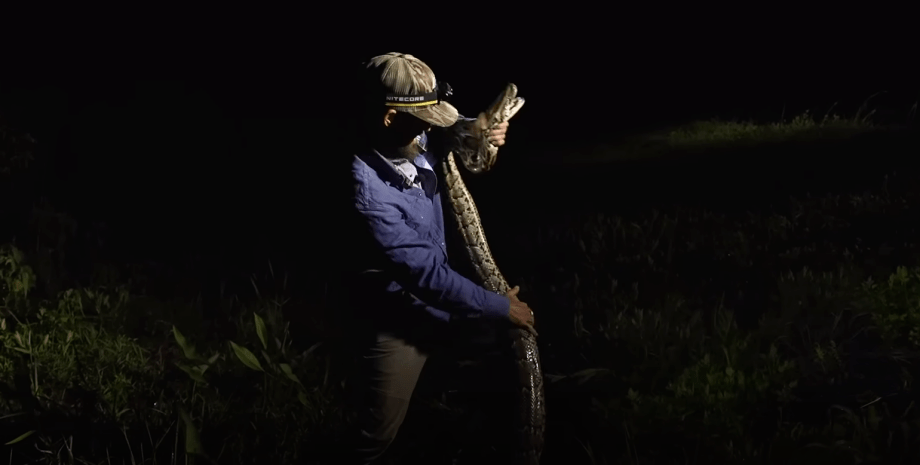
(469, 140)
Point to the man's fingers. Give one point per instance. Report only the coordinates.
(526, 323)
(531, 330)
(514, 290)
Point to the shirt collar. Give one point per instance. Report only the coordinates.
(397, 171)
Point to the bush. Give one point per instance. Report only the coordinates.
(70, 361)
(896, 305)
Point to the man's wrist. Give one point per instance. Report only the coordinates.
(497, 306)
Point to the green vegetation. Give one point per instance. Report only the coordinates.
(75, 359)
(700, 136)
(827, 369)
(803, 126)
(682, 336)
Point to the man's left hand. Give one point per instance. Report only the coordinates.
(497, 134)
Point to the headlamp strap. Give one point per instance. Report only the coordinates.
(420, 100)
(441, 92)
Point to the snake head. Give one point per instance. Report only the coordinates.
(505, 106)
(469, 138)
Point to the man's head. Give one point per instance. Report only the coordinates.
(403, 99)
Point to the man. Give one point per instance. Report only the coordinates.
(404, 292)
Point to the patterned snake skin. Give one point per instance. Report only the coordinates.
(469, 141)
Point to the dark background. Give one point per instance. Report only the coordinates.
(215, 132)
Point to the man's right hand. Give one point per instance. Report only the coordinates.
(521, 314)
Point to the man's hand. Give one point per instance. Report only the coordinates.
(521, 315)
(497, 134)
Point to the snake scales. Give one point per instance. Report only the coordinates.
(468, 139)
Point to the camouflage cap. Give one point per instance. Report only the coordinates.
(410, 86)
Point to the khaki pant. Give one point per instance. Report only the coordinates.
(389, 364)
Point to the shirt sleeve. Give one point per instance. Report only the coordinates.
(418, 269)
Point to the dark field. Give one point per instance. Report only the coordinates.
(728, 294)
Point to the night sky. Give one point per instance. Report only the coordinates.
(187, 125)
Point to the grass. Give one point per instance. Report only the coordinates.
(675, 335)
(668, 341)
(76, 360)
(802, 126)
(731, 134)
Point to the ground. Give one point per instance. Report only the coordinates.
(719, 292)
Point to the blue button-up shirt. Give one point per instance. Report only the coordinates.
(406, 262)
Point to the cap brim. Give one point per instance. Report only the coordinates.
(441, 114)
